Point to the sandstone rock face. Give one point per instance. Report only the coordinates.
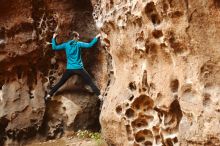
(29, 67)
(165, 76)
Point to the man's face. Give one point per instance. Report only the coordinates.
(76, 36)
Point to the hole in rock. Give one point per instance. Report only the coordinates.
(140, 122)
(208, 85)
(152, 13)
(176, 14)
(108, 27)
(2, 33)
(144, 135)
(217, 3)
(147, 143)
(157, 139)
(3, 124)
(135, 144)
(175, 139)
(131, 97)
(132, 86)
(137, 106)
(150, 8)
(165, 7)
(169, 119)
(151, 48)
(178, 47)
(174, 85)
(140, 139)
(138, 22)
(82, 5)
(31, 94)
(64, 108)
(169, 142)
(143, 102)
(176, 111)
(155, 19)
(118, 109)
(19, 72)
(157, 33)
(206, 99)
(144, 89)
(129, 113)
(128, 129)
(152, 85)
(144, 80)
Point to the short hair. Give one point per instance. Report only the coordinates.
(74, 35)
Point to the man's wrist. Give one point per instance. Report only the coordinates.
(98, 36)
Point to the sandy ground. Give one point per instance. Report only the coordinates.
(69, 140)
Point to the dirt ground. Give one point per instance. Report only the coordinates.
(70, 141)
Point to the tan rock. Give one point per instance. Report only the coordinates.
(166, 72)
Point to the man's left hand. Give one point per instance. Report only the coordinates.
(98, 36)
(55, 35)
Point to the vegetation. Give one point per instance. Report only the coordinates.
(96, 136)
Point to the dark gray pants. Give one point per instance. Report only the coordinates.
(81, 72)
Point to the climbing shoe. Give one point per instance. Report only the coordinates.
(100, 97)
(47, 97)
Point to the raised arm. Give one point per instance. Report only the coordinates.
(55, 46)
(88, 45)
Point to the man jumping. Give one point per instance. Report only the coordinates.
(74, 62)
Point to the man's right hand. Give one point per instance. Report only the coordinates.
(98, 36)
(55, 35)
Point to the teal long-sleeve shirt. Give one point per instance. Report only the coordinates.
(73, 51)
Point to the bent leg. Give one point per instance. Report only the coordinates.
(63, 79)
(87, 79)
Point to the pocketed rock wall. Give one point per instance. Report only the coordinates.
(29, 67)
(165, 77)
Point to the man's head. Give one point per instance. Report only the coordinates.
(75, 35)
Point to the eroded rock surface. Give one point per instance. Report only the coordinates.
(165, 84)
